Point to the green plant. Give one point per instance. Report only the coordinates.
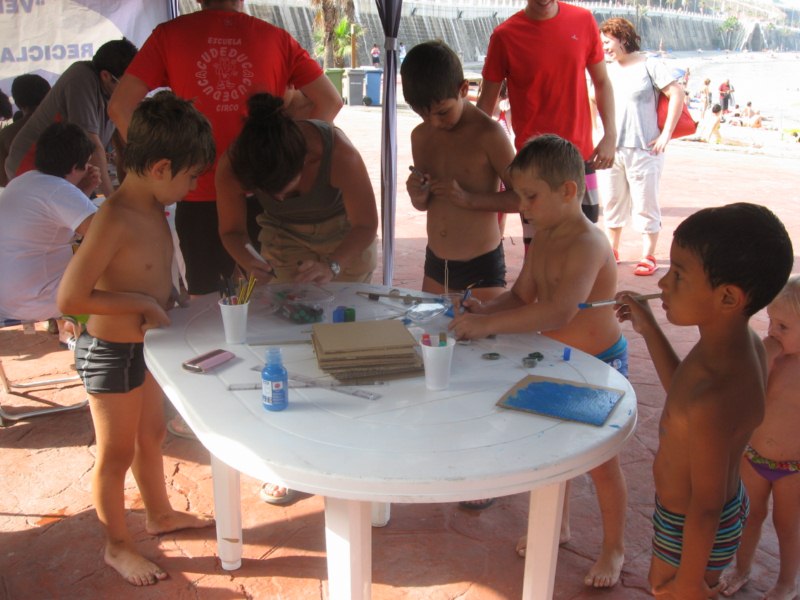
(326, 20)
(729, 27)
(340, 40)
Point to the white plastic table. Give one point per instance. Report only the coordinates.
(410, 445)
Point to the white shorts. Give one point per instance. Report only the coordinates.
(630, 190)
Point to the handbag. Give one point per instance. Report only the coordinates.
(686, 124)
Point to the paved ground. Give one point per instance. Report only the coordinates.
(51, 546)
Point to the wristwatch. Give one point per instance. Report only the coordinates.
(335, 268)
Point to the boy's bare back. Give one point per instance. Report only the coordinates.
(715, 402)
(463, 154)
(134, 238)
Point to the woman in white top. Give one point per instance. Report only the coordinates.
(630, 189)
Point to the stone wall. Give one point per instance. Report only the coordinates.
(466, 29)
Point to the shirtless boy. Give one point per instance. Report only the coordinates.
(570, 262)
(121, 276)
(727, 263)
(460, 154)
(771, 463)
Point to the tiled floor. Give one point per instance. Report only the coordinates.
(51, 545)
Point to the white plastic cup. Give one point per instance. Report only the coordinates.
(438, 360)
(234, 322)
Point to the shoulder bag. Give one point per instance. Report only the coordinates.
(686, 124)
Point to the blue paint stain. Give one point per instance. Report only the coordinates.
(566, 401)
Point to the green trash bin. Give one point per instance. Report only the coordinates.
(335, 75)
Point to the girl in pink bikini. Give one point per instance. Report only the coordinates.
(771, 464)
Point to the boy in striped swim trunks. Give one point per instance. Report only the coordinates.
(726, 263)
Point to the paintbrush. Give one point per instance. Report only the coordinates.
(612, 302)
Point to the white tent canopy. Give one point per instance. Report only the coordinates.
(46, 38)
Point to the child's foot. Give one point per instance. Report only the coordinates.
(563, 538)
(782, 592)
(176, 521)
(732, 580)
(272, 493)
(605, 572)
(134, 567)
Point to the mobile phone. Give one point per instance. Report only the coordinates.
(209, 360)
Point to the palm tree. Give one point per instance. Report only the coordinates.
(728, 29)
(341, 41)
(327, 19)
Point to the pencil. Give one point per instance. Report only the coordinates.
(612, 302)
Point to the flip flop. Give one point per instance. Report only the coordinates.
(646, 266)
(178, 427)
(272, 499)
(476, 504)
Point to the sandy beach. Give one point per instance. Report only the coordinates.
(771, 81)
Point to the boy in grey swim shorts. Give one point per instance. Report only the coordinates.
(121, 276)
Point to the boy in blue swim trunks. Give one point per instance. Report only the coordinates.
(460, 155)
(121, 276)
(727, 263)
(570, 262)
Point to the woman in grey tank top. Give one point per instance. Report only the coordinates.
(320, 217)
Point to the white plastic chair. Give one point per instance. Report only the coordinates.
(8, 386)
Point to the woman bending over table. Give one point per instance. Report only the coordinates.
(320, 217)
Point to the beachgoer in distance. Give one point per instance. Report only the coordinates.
(239, 55)
(705, 98)
(122, 276)
(43, 211)
(460, 155)
(80, 96)
(629, 190)
(562, 43)
(726, 263)
(771, 464)
(28, 91)
(711, 126)
(375, 53)
(570, 262)
(725, 95)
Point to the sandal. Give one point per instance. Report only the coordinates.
(268, 495)
(178, 427)
(646, 266)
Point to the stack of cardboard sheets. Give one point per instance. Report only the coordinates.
(365, 350)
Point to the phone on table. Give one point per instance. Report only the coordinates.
(209, 360)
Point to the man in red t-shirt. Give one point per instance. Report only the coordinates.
(543, 52)
(219, 57)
